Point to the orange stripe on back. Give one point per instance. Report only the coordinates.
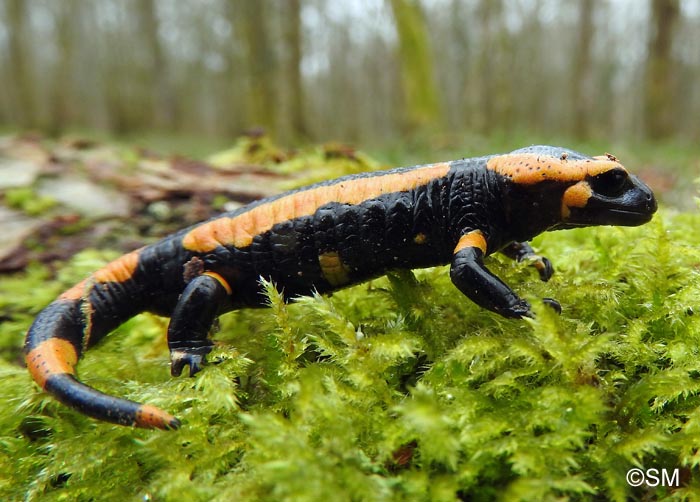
(240, 230)
(76, 292)
(120, 270)
(530, 168)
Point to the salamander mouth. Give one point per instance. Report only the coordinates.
(618, 217)
(629, 217)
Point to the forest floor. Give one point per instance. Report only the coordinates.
(393, 390)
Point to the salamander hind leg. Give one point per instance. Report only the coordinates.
(188, 333)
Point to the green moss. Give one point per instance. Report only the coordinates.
(310, 165)
(398, 389)
(250, 149)
(26, 200)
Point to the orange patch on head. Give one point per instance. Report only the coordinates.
(51, 357)
(530, 168)
(240, 230)
(575, 196)
(150, 417)
(120, 270)
(474, 239)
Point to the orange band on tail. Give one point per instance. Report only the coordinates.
(150, 417)
(51, 357)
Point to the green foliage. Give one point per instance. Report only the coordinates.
(255, 149)
(395, 390)
(304, 167)
(26, 200)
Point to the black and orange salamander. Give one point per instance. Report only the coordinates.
(328, 236)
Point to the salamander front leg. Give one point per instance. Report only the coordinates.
(195, 312)
(522, 251)
(477, 282)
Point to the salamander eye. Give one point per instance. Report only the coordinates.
(610, 183)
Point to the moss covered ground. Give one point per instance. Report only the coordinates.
(399, 389)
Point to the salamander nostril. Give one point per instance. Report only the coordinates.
(651, 202)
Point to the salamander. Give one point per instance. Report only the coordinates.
(327, 236)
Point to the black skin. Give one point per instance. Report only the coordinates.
(413, 228)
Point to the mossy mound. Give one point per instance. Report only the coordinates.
(397, 389)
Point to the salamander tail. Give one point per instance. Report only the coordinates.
(53, 345)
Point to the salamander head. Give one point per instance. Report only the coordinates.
(551, 188)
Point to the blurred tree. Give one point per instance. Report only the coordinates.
(417, 79)
(687, 90)
(369, 73)
(659, 97)
(250, 17)
(532, 93)
(61, 103)
(581, 70)
(292, 71)
(488, 14)
(19, 48)
(118, 73)
(458, 45)
(341, 98)
(162, 102)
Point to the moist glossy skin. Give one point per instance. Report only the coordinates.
(329, 236)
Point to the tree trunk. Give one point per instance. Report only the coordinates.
(660, 69)
(61, 105)
(582, 70)
(484, 112)
(260, 63)
(417, 78)
(17, 26)
(161, 100)
(292, 73)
